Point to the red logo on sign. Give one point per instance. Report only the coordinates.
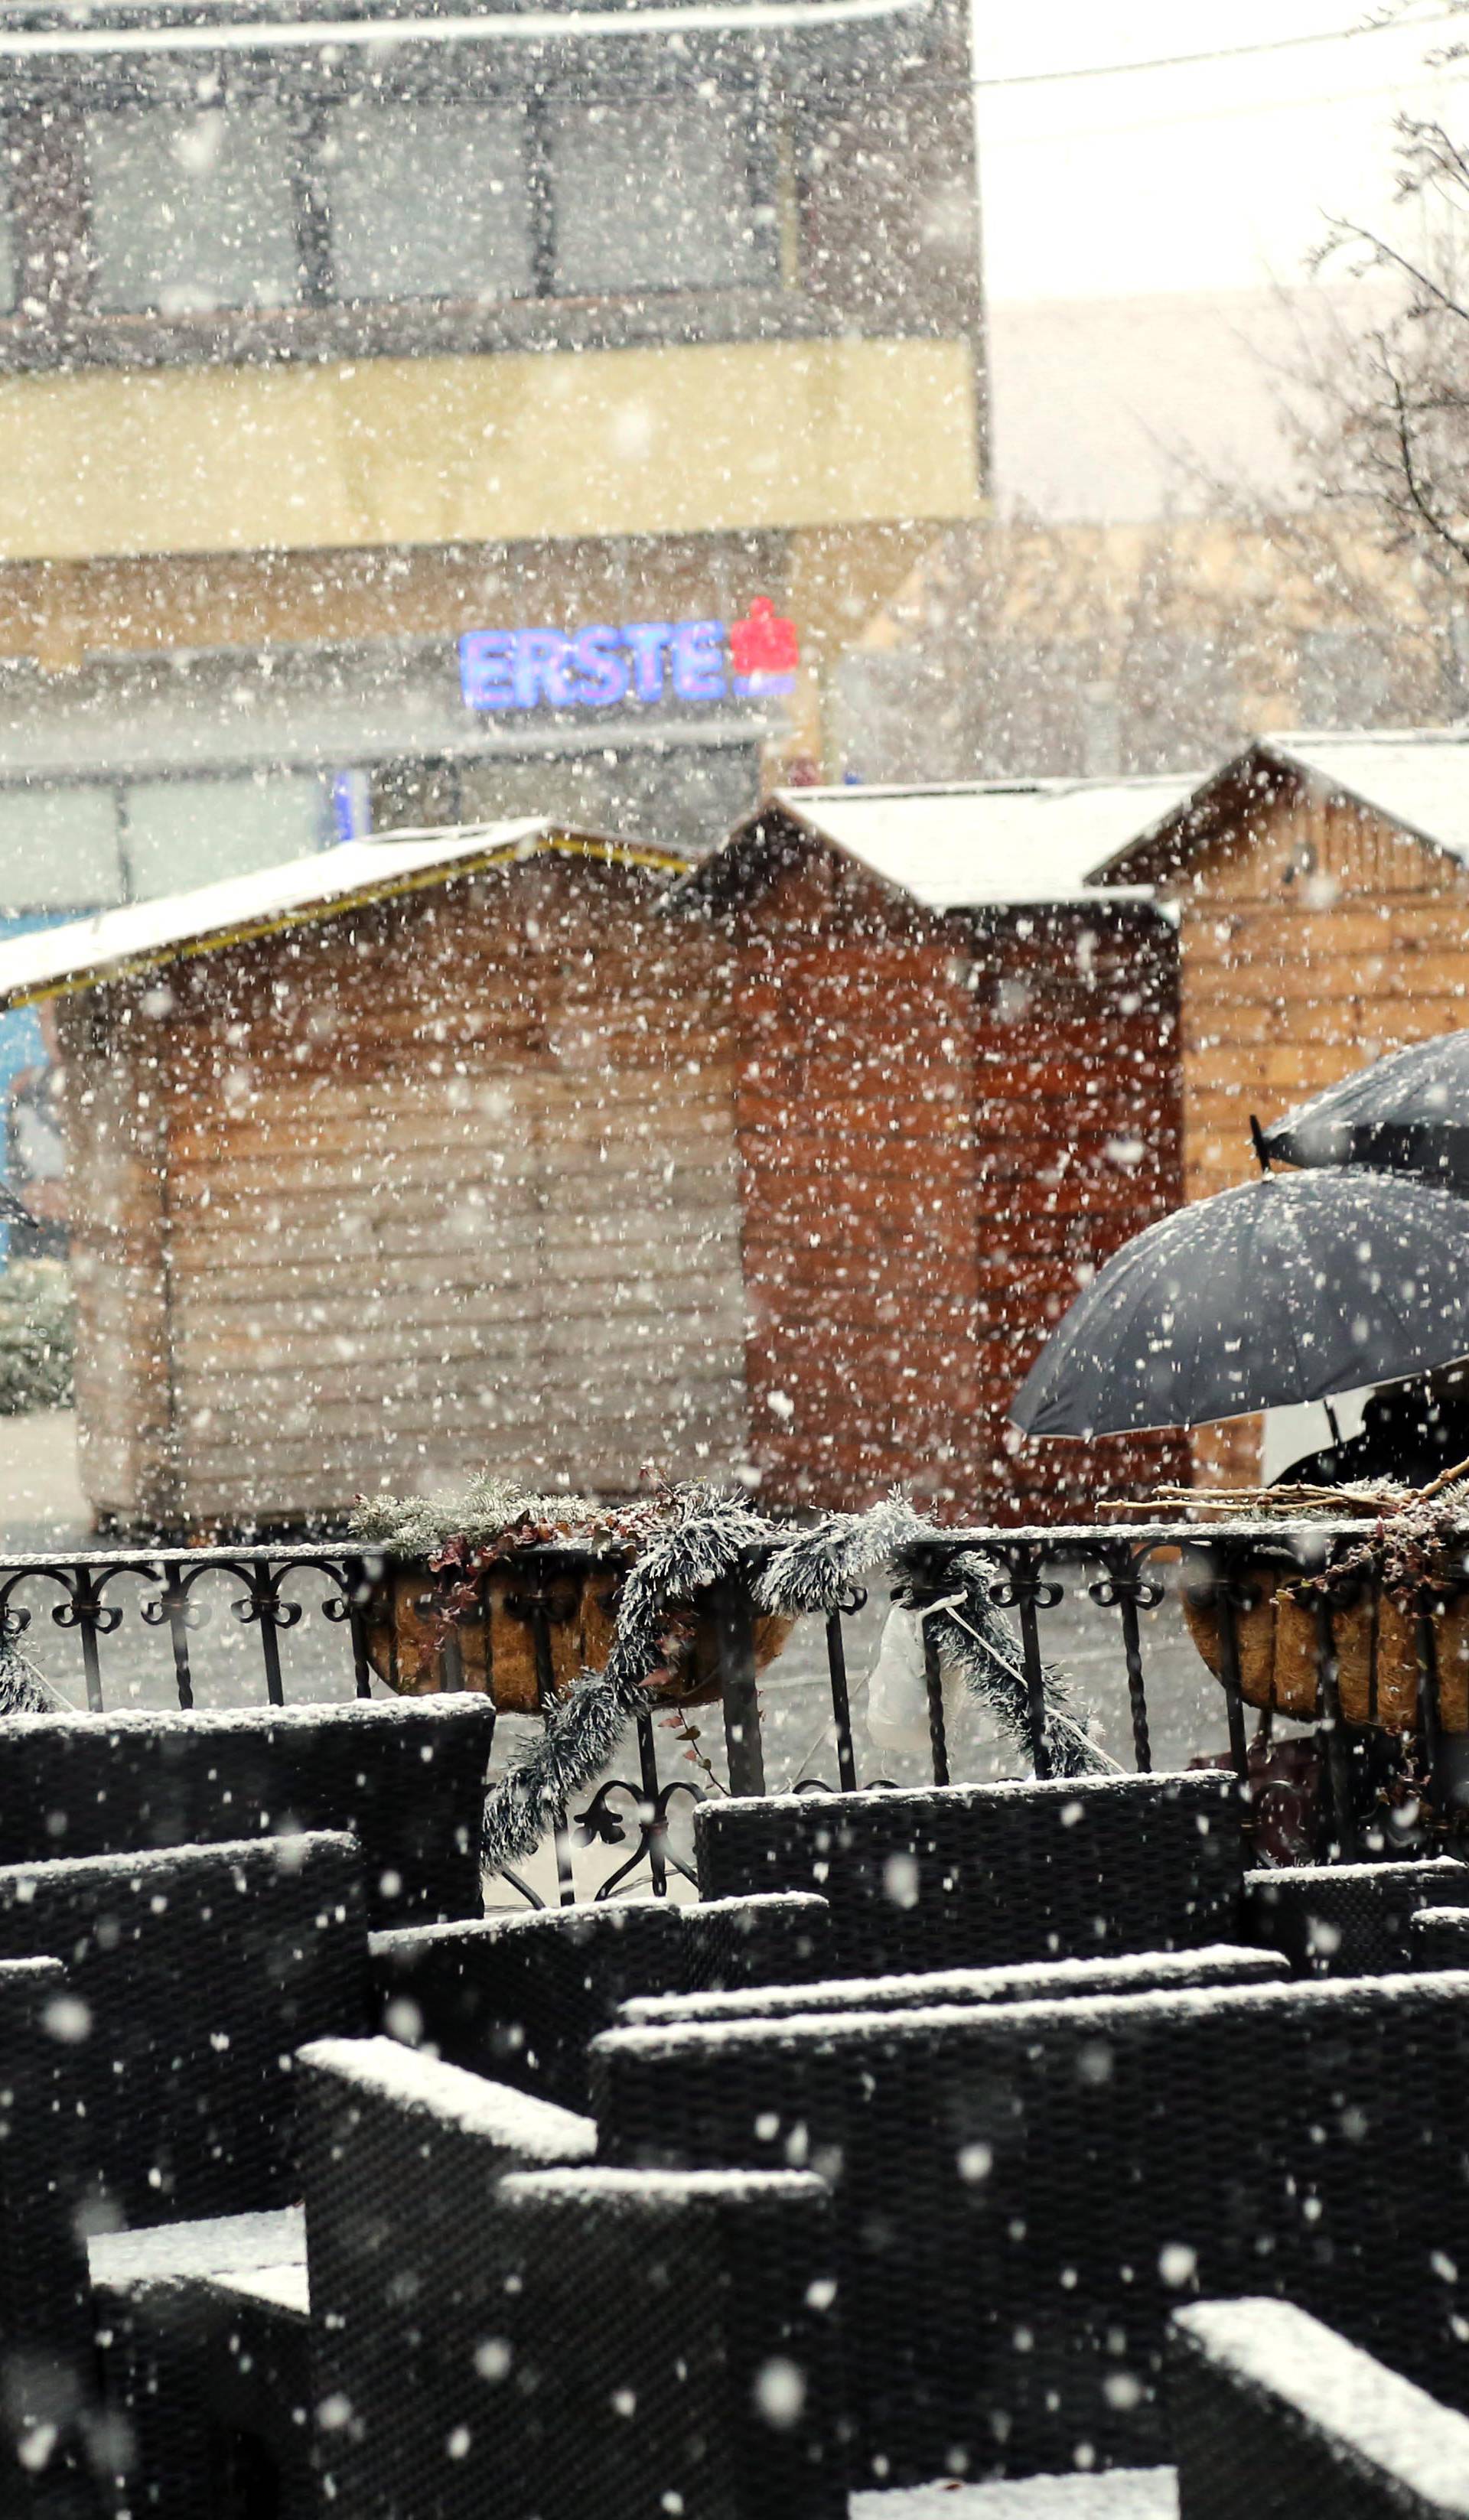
(765, 643)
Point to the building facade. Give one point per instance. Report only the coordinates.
(327, 345)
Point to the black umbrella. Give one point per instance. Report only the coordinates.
(1291, 1289)
(1408, 1113)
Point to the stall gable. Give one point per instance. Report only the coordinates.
(450, 1183)
(1314, 934)
(1314, 939)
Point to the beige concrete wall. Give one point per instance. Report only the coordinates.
(686, 439)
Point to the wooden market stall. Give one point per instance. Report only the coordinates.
(524, 1149)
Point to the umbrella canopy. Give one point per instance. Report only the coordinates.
(1408, 1113)
(1291, 1289)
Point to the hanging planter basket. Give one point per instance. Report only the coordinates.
(1415, 1547)
(467, 1580)
(418, 1647)
(1374, 1640)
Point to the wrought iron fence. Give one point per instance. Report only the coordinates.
(113, 1601)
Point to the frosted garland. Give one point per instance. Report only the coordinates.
(804, 1572)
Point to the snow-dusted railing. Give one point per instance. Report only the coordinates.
(985, 1605)
(96, 1591)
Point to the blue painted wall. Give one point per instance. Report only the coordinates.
(21, 1044)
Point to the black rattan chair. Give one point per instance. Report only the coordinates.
(199, 1970)
(519, 1997)
(1033, 1981)
(1026, 2190)
(407, 1777)
(1276, 2417)
(676, 2340)
(1350, 1920)
(401, 2155)
(47, 2378)
(203, 2333)
(974, 1875)
(492, 2339)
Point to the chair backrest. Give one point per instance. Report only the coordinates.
(1438, 1938)
(676, 2335)
(1026, 2190)
(1272, 2413)
(520, 1997)
(407, 1777)
(46, 2378)
(402, 2154)
(1350, 1920)
(199, 1970)
(973, 1876)
(1217, 1964)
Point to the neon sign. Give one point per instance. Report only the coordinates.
(642, 661)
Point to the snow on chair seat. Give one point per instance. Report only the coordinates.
(1106, 2494)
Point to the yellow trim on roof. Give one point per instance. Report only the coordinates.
(313, 913)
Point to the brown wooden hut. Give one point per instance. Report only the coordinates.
(524, 1149)
(1321, 888)
(956, 1094)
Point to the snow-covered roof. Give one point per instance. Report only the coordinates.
(55, 960)
(1416, 777)
(984, 845)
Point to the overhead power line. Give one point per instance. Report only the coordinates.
(1223, 53)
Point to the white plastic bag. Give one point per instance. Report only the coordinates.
(897, 1697)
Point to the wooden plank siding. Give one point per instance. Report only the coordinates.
(1314, 936)
(945, 1124)
(450, 1183)
(115, 1120)
(530, 1172)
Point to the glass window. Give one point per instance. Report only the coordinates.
(192, 210)
(653, 196)
(181, 832)
(686, 795)
(59, 849)
(429, 200)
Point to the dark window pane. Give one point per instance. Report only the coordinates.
(191, 209)
(429, 200)
(653, 196)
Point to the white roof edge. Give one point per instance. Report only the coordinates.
(114, 944)
(527, 26)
